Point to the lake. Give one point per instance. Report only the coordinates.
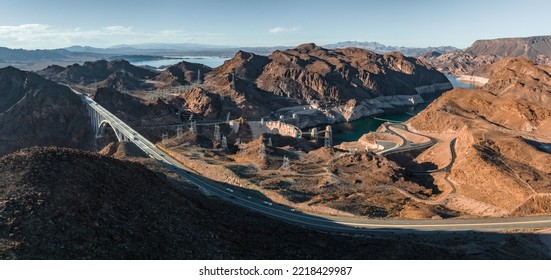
(352, 131)
(210, 61)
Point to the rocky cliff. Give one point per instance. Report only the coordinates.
(311, 75)
(255, 86)
(484, 52)
(537, 48)
(38, 112)
(183, 73)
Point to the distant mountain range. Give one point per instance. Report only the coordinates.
(534, 48)
(380, 48)
(78, 53)
(20, 55)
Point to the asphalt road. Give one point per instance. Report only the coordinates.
(322, 222)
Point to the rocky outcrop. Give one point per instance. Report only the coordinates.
(118, 74)
(183, 73)
(537, 48)
(324, 80)
(459, 62)
(485, 52)
(206, 104)
(128, 107)
(38, 112)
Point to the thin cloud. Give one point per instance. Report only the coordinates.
(117, 29)
(279, 29)
(24, 28)
(33, 36)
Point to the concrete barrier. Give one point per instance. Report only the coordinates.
(273, 127)
(434, 88)
(473, 79)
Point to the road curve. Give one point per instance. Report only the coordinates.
(321, 222)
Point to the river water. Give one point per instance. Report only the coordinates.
(352, 131)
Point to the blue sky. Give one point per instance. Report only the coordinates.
(32, 24)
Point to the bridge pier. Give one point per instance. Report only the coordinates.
(98, 122)
(328, 136)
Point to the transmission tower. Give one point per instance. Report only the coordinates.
(193, 127)
(314, 134)
(179, 132)
(270, 144)
(262, 150)
(228, 118)
(286, 166)
(198, 77)
(328, 136)
(216, 132)
(224, 145)
(242, 147)
(165, 138)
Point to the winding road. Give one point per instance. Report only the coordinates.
(321, 222)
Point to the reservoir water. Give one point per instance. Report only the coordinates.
(210, 61)
(352, 131)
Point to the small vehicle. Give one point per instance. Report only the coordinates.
(230, 190)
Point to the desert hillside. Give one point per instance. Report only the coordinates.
(502, 139)
(485, 52)
(38, 112)
(67, 204)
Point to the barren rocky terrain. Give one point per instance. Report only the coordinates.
(254, 86)
(501, 132)
(61, 204)
(498, 136)
(485, 52)
(38, 112)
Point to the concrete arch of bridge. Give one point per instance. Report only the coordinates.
(103, 124)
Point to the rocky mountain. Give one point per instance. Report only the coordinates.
(38, 112)
(518, 79)
(457, 62)
(336, 85)
(537, 48)
(102, 73)
(380, 48)
(68, 204)
(312, 75)
(503, 137)
(183, 73)
(484, 52)
(20, 55)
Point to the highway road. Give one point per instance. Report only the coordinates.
(321, 222)
(407, 145)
